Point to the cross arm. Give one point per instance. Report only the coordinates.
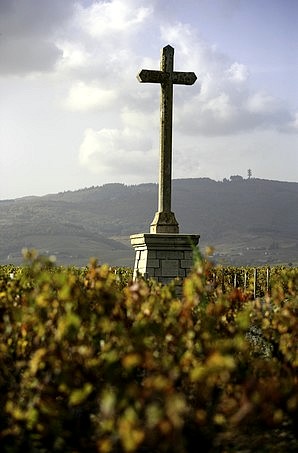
(176, 77)
(184, 78)
(152, 76)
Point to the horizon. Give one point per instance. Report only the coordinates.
(224, 180)
(73, 113)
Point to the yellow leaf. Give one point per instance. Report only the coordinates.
(131, 360)
(219, 419)
(77, 396)
(35, 362)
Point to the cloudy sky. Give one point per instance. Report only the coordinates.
(73, 115)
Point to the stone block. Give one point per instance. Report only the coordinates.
(170, 268)
(157, 272)
(186, 264)
(150, 272)
(169, 254)
(188, 255)
(152, 263)
(182, 273)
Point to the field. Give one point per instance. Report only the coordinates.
(92, 362)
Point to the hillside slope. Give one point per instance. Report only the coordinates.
(248, 221)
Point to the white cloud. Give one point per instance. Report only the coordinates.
(98, 54)
(238, 72)
(140, 120)
(73, 55)
(83, 97)
(220, 107)
(262, 103)
(222, 102)
(102, 19)
(112, 153)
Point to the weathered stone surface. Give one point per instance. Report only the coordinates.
(159, 242)
(188, 255)
(157, 272)
(170, 268)
(164, 254)
(168, 251)
(153, 263)
(186, 264)
(184, 78)
(182, 273)
(170, 254)
(164, 220)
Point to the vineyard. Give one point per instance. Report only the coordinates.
(93, 362)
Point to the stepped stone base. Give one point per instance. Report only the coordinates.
(163, 256)
(164, 222)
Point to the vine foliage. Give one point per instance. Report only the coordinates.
(92, 363)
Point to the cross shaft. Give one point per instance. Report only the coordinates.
(164, 220)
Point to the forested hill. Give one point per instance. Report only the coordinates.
(251, 221)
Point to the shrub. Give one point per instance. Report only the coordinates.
(91, 363)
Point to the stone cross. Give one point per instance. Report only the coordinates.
(164, 220)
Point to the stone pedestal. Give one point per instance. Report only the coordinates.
(163, 256)
(164, 222)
